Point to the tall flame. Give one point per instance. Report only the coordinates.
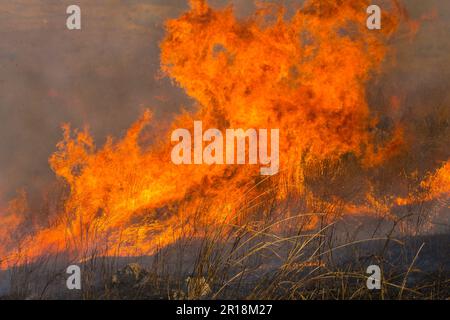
(306, 75)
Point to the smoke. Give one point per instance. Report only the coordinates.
(102, 76)
(413, 89)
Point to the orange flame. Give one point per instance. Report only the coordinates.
(306, 75)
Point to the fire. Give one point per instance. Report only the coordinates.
(305, 75)
(301, 75)
(435, 186)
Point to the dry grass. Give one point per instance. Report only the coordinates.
(268, 249)
(268, 252)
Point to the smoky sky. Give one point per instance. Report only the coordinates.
(105, 75)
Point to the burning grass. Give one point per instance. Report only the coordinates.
(351, 191)
(254, 260)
